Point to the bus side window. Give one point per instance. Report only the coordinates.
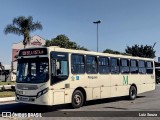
(114, 65)
(124, 68)
(142, 68)
(91, 64)
(58, 69)
(133, 66)
(77, 64)
(149, 67)
(103, 65)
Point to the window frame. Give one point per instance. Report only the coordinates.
(134, 66)
(96, 60)
(149, 67)
(128, 65)
(107, 66)
(139, 67)
(78, 64)
(118, 65)
(52, 54)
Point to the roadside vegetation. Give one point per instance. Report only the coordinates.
(7, 83)
(64, 42)
(7, 94)
(23, 26)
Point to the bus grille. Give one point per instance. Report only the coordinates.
(26, 87)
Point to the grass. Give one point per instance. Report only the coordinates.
(7, 83)
(7, 94)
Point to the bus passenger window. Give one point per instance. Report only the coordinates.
(124, 68)
(77, 64)
(142, 68)
(91, 64)
(103, 67)
(114, 65)
(149, 67)
(133, 66)
(59, 67)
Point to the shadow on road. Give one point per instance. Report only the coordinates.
(109, 100)
(28, 108)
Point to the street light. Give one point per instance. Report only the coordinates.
(97, 22)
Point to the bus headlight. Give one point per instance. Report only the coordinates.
(42, 92)
(39, 94)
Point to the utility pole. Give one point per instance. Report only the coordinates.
(97, 22)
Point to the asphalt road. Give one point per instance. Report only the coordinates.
(146, 104)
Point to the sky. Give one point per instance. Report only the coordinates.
(123, 22)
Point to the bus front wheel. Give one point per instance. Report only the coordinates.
(132, 93)
(77, 99)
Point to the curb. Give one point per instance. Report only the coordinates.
(7, 99)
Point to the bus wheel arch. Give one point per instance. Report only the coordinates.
(81, 93)
(133, 92)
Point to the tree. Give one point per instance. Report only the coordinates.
(115, 52)
(64, 42)
(111, 51)
(141, 51)
(23, 26)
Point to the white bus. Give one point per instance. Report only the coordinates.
(53, 75)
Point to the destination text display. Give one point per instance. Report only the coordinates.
(32, 52)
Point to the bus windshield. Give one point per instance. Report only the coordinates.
(32, 70)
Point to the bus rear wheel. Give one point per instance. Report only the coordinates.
(77, 99)
(132, 93)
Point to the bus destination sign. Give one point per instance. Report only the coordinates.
(32, 52)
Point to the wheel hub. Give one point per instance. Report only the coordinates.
(77, 99)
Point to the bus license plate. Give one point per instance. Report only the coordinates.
(24, 98)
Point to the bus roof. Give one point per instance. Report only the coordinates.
(56, 48)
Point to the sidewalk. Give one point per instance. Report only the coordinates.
(7, 99)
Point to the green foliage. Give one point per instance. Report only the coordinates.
(141, 51)
(7, 94)
(7, 83)
(115, 52)
(111, 51)
(23, 26)
(64, 42)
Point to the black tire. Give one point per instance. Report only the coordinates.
(77, 99)
(132, 93)
(157, 82)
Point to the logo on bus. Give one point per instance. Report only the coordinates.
(72, 78)
(77, 77)
(125, 80)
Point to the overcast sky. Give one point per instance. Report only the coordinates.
(124, 22)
